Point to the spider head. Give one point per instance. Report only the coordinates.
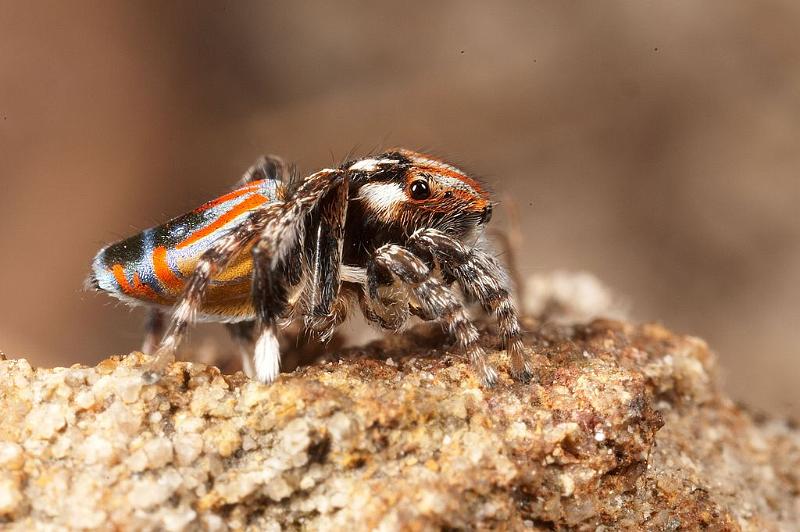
(412, 190)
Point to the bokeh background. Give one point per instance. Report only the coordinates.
(654, 144)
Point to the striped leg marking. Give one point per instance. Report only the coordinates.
(437, 302)
(325, 308)
(389, 315)
(483, 279)
(277, 257)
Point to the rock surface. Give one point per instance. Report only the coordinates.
(623, 427)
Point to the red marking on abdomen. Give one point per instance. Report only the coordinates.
(161, 268)
(250, 203)
(137, 289)
(250, 187)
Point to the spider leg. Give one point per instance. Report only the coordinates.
(323, 327)
(277, 255)
(481, 278)
(325, 310)
(388, 314)
(243, 335)
(211, 262)
(277, 263)
(153, 330)
(265, 167)
(267, 354)
(435, 299)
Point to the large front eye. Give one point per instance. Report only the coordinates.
(420, 190)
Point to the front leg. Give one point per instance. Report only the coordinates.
(277, 256)
(482, 278)
(388, 313)
(324, 309)
(435, 299)
(277, 264)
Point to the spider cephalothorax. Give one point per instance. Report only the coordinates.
(392, 233)
(408, 191)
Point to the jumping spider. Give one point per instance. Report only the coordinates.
(391, 233)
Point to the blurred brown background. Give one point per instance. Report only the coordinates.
(652, 143)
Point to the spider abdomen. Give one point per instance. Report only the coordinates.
(152, 267)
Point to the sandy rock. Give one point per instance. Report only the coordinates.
(622, 427)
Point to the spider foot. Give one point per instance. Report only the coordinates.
(155, 370)
(488, 375)
(521, 363)
(484, 369)
(524, 375)
(322, 327)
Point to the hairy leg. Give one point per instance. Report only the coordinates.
(210, 263)
(325, 310)
(435, 299)
(278, 253)
(481, 278)
(265, 167)
(386, 312)
(243, 333)
(267, 354)
(153, 330)
(277, 261)
(322, 328)
(258, 348)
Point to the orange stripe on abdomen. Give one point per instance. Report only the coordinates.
(247, 205)
(164, 274)
(228, 197)
(119, 275)
(138, 289)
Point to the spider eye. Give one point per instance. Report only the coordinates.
(420, 190)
